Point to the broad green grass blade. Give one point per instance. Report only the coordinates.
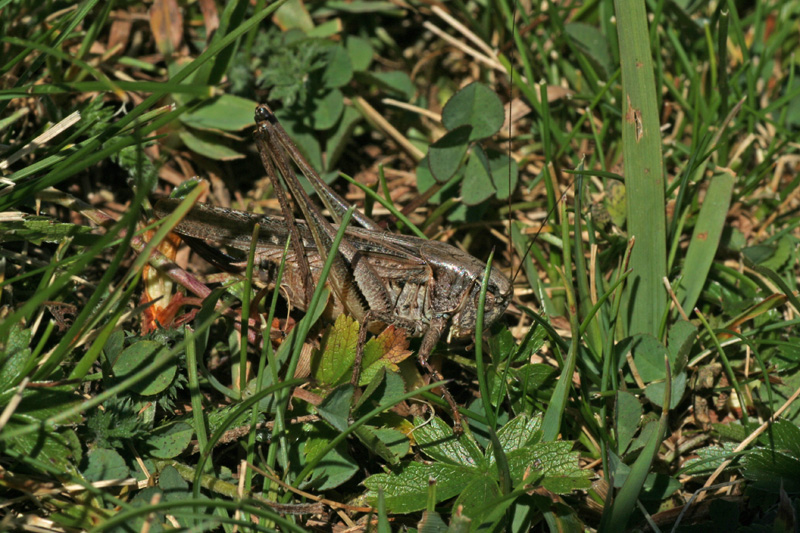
(705, 240)
(644, 172)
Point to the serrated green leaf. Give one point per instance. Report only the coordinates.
(217, 416)
(476, 495)
(105, 464)
(709, 458)
(437, 441)
(533, 377)
(555, 461)
(389, 444)
(783, 435)
(445, 155)
(406, 488)
(334, 363)
(15, 358)
(733, 432)
(386, 350)
(520, 431)
(772, 470)
(39, 229)
(476, 106)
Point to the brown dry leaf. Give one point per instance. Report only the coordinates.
(395, 344)
(556, 92)
(119, 35)
(210, 17)
(166, 23)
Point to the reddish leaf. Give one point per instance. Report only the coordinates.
(166, 23)
(119, 35)
(210, 17)
(157, 286)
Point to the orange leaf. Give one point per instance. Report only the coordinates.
(166, 23)
(395, 344)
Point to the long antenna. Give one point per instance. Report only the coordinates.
(510, 105)
(555, 205)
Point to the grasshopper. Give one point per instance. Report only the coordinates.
(377, 277)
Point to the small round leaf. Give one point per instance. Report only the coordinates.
(327, 110)
(360, 51)
(138, 357)
(477, 185)
(475, 105)
(208, 145)
(445, 155)
(105, 464)
(395, 81)
(339, 69)
(169, 441)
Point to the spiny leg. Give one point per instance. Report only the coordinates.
(435, 330)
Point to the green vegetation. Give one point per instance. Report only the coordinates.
(633, 165)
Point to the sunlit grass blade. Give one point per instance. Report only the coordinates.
(644, 171)
(705, 240)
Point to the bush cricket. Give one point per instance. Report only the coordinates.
(377, 277)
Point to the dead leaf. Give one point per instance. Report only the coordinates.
(210, 17)
(119, 35)
(395, 344)
(166, 23)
